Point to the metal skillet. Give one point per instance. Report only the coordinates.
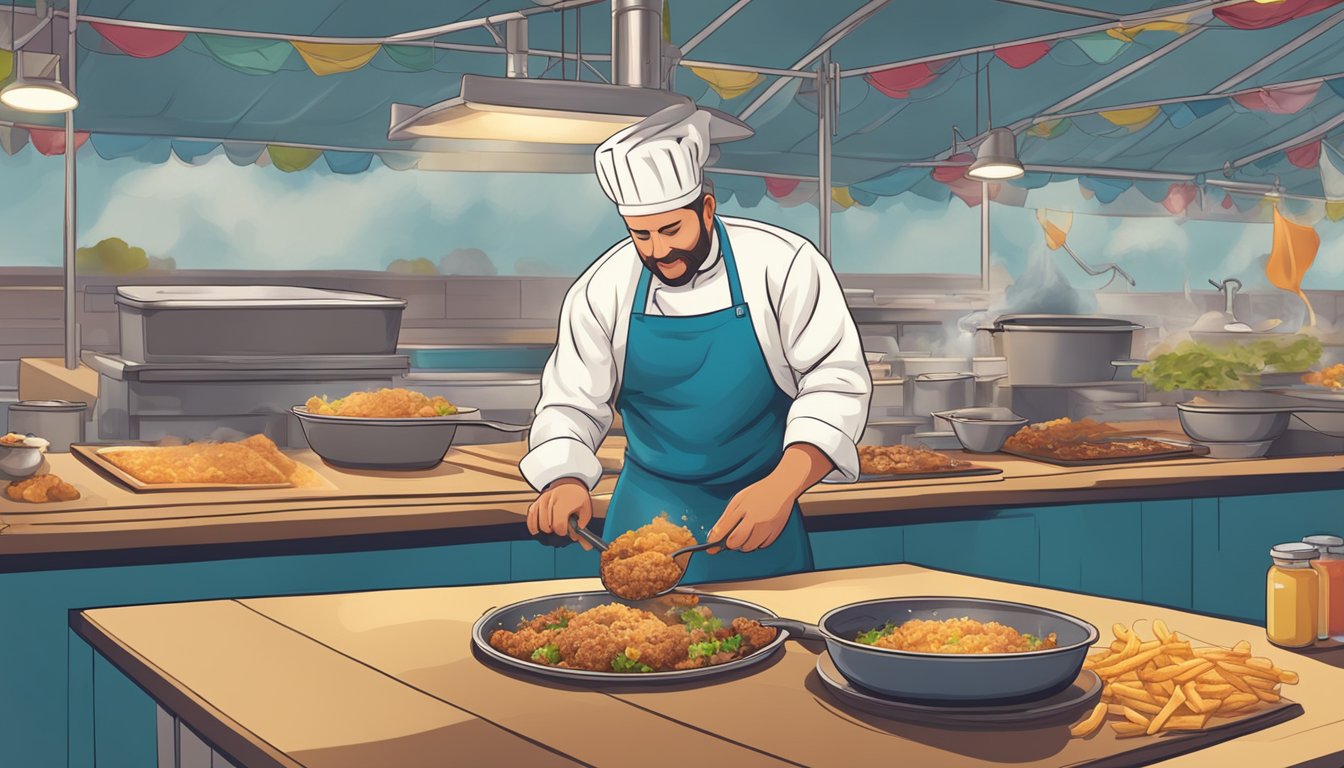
(510, 616)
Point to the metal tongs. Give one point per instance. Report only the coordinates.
(681, 557)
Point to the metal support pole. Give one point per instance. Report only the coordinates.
(825, 122)
(515, 43)
(71, 316)
(984, 235)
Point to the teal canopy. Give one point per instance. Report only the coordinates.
(1159, 90)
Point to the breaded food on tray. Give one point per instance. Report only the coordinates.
(253, 461)
(904, 459)
(383, 404)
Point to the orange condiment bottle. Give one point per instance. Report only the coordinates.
(1291, 596)
(1329, 567)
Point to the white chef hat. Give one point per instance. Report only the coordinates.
(657, 164)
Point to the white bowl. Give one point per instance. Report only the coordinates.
(20, 461)
(1232, 424)
(1251, 450)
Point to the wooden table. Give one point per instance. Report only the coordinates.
(387, 678)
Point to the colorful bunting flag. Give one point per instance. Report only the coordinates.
(1134, 119)
(248, 55)
(243, 154)
(290, 159)
(1105, 188)
(1179, 197)
(1227, 201)
(729, 83)
(1262, 16)
(51, 141)
(1023, 55)
(841, 197)
(335, 58)
(1304, 155)
(1334, 211)
(138, 42)
(1178, 24)
(898, 82)
(193, 152)
(778, 188)
(1049, 129)
(346, 162)
(417, 58)
(1332, 173)
(13, 138)
(1100, 47)
(1279, 101)
(6, 64)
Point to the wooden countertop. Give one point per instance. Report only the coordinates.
(479, 486)
(1022, 482)
(389, 678)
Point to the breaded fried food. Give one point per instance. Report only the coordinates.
(1331, 377)
(955, 636)
(618, 638)
(903, 459)
(1048, 436)
(383, 404)
(224, 463)
(267, 449)
(41, 489)
(638, 564)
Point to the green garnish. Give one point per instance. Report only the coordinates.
(623, 663)
(547, 653)
(710, 647)
(953, 640)
(1033, 641)
(564, 622)
(1231, 366)
(694, 619)
(445, 410)
(871, 636)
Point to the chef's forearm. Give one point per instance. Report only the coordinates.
(803, 465)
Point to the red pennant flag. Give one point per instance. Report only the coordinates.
(1305, 155)
(1022, 56)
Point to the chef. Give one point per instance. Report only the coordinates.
(727, 348)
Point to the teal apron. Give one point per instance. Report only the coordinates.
(703, 419)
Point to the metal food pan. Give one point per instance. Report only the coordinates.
(196, 322)
(510, 616)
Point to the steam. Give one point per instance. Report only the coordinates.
(1043, 289)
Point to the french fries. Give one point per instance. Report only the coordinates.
(1166, 684)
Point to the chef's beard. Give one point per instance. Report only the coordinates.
(692, 259)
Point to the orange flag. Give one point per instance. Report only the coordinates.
(1292, 254)
(1056, 225)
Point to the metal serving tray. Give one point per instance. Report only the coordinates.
(1179, 450)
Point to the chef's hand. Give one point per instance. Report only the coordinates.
(758, 513)
(561, 500)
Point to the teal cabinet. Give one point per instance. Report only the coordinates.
(1005, 546)
(858, 547)
(1167, 531)
(51, 683)
(1092, 548)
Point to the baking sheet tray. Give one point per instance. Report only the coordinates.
(970, 470)
(1178, 451)
(92, 455)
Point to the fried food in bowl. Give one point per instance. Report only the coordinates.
(638, 564)
(1331, 377)
(383, 404)
(962, 635)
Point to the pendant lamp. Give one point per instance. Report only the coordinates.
(996, 157)
(37, 83)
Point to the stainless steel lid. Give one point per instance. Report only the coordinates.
(1332, 545)
(1294, 550)
(245, 297)
(48, 406)
(1063, 323)
(944, 376)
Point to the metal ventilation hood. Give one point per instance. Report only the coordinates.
(517, 109)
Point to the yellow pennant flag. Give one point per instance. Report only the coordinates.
(1334, 210)
(331, 58)
(6, 64)
(1133, 119)
(842, 197)
(728, 83)
(291, 159)
(1056, 225)
(1178, 24)
(1292, 254)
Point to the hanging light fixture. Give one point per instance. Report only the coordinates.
(37, 79)
(996, 157)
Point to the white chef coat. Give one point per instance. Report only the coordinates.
(802, 323)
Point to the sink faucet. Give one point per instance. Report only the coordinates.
(1114, 269)
(1229, 287)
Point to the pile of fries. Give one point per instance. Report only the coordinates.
(1165, 684)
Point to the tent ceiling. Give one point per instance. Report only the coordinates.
(190, 92)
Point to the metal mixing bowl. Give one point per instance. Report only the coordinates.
(1232, 424)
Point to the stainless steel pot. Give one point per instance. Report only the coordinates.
(59, 422)
(1062, 349)
(932, 392)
